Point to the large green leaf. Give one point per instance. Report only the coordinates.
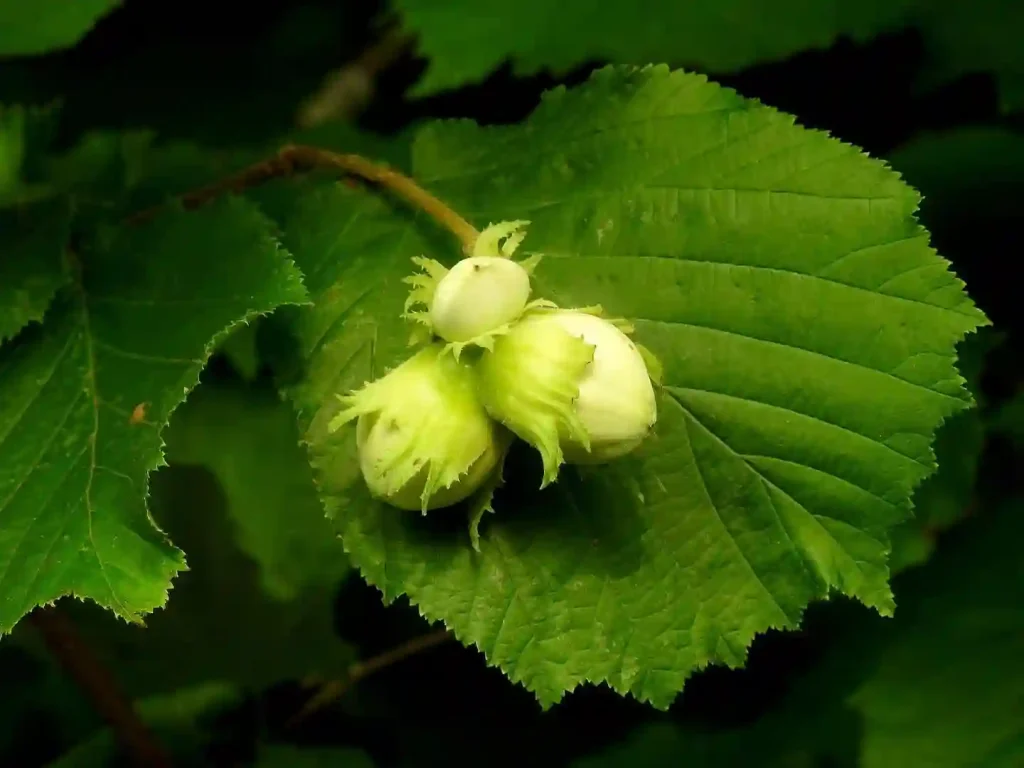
(465, 40)
(807, 332)
(29, 28)
(84, 395)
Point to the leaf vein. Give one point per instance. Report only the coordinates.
(721, 521)
(813, 352)
(813, 518)
(68, 516)
(153, 301)
(54, 486)
(672, 389)
(141, 357)
(338, 319)
(761, 268)
(509, 158)
(59, 358)
(93, 384)
(843, 480)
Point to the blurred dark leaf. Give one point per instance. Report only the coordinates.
(283, 756)
(47, 25)
(182, 721)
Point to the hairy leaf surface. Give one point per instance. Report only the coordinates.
(84, 396)
(808, 336)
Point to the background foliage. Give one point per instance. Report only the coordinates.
(808, 339)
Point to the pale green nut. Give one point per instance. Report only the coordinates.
(616, 402)
(571, 384)
(423, 438)
(480, 296)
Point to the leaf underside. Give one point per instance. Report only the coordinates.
(466, 39)
(807, 332)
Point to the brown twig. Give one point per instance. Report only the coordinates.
(335, 689)
(297, 158)
(62, 639)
